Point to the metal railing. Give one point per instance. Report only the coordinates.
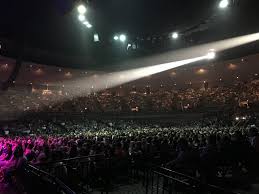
(165, 181)
(98, 172)
(38, 181)
(87, 173)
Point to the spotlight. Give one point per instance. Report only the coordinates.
(96, 38)
(122, 38)
(211, 55)
(81, 18)
(175, 35)
(237, 118)
(116, 38)
(88, 25)
(128, 46)
(223, 4)
(81, 9)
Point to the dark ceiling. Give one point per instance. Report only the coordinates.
(49, 32)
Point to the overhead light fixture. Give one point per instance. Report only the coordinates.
(116, 37)
(175, 35)
(128, 46)
(123, 38)
(96, 38)
(88, 25)
(81, 18)
(223, 4)
(81, 9)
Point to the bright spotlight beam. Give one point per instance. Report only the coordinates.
(122, 77)
(180, 58)
(147, 71)
(191, 52)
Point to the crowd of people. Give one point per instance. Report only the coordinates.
(146, 99)
(185, 148)
(192, 148)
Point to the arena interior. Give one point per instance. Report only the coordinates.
(129, 97)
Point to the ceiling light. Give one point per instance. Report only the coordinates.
(96, 38)
(175, 35)
(89, 25)
(223, 4)
(81, 9)
(122, 38)
(81, 18)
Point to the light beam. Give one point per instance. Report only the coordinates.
(122, 77)
(166, 61)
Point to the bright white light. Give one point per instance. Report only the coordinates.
(81, 9)
(146, 71)
(175, 35)
(123, 38)
(128, 46)
(89, 25)
(116, 38)
(81, 18)
(237, 118)
(211, 55)
(223, 4)
(96, 38)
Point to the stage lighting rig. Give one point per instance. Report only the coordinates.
(121, 37)
(81, 9)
